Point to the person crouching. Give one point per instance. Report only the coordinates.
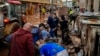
(50, 48)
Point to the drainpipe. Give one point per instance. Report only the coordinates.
(66, 3)
(52, 6)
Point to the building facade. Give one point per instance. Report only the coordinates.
(93, 5)
(35, 9)
(96, 5)
(57, 2)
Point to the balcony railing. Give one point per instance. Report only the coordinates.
(57, 2)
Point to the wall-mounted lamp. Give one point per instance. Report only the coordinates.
(6, 4)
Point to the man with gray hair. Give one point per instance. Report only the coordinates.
(22, 42)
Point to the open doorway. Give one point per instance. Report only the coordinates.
(97, 44)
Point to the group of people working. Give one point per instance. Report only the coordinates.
(24, 41)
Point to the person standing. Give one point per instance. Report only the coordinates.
(64, 28)
(56, 21)
(51, 24)
(21, 43)
(23, 19)
(73, 16)
(14, 27)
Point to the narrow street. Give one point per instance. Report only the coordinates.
(32, 25)
(4, 52)
(75, 40)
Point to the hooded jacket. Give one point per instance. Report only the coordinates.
(21, 44)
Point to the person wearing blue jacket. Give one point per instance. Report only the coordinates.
(51, 23)
(51, 49)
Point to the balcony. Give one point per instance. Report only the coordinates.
(57, 2)
(38, 1)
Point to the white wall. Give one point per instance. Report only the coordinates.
(82, 3)
(96, 5)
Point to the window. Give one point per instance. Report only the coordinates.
(1, 17)
(23, 8)
(5, 11)
(15, 10)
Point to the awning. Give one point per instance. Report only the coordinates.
(14, 2)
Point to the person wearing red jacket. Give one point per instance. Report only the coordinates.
(22, 42)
